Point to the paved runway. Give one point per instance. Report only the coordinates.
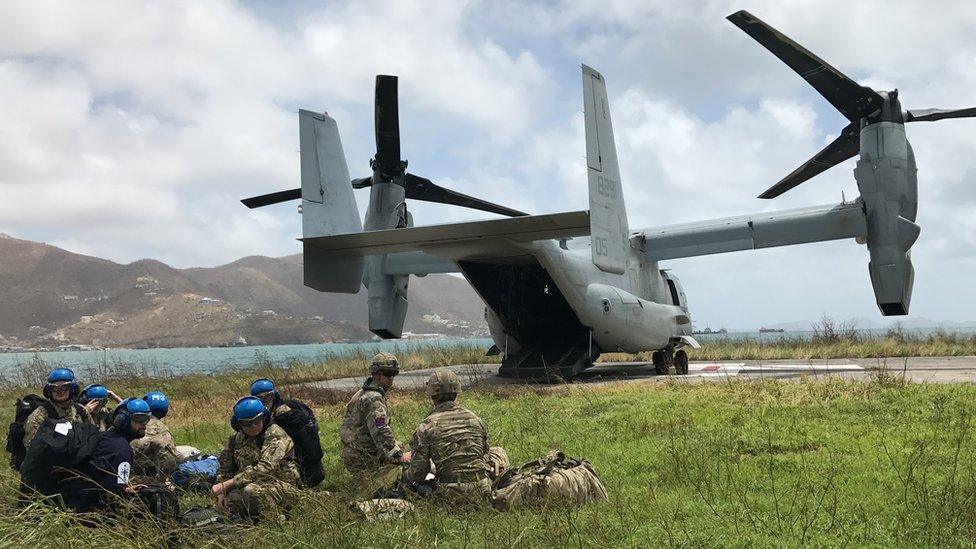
(918, 369)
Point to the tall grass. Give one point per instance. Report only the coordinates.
(821, 462)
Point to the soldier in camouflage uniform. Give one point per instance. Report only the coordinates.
(369, 449)
(60, 390)
(455, 441)
(154, 454)
(258, 473)
(101, 414)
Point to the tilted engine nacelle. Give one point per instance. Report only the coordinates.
(387, 293)
(887, 179)
(622, 321)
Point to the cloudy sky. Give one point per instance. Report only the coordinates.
(131, 130)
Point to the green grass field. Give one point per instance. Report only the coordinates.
(819, 462)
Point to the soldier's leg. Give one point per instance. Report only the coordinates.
(236, 504)
(266, 500)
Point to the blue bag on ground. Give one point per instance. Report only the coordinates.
(199, 473)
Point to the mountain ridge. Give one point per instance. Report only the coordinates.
(54, 297)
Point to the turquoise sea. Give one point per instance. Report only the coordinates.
(215, 359)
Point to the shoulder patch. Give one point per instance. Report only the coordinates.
(380, 422)
(123, 473)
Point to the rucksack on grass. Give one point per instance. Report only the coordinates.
(199, 473)
(554, 478)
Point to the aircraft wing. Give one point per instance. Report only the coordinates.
(468, 240)
(752, 232)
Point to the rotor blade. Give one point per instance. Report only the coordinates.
(931, 115)
(420, 188)
(845, 146)
(272, 198)
(362, 182)
(387, 122)
(853, 100)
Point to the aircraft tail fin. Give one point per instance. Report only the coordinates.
(608, 215)
(328, 204)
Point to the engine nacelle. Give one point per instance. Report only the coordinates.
(887, 179)
(387, 293)
(622, 321)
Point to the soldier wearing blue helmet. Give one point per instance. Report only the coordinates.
(95, 399)
(265, 390)
(107, 473)
(60, 390)
(258, 472)
(155, 453)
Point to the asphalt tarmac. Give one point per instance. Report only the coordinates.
(916, 369)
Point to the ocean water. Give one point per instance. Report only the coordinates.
(216, 359)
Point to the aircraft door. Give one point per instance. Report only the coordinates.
(675, 293)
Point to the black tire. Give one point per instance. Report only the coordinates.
(657, 358)
(681, 363)
(660, 360)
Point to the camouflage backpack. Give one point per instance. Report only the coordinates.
(554, 478)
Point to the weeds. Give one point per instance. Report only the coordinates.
(823, 462)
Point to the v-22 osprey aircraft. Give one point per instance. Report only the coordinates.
(560, 289)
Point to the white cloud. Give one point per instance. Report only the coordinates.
(131, 129)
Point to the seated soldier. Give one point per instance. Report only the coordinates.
(60, 390)
(369, 448)
(101, 413)
(258, 473)
(155, 453)
(265, 390)
(106, 475)
(455, 441)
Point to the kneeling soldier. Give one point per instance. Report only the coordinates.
(155, 453)
(455, 440)
(369, 448)
(258, 472)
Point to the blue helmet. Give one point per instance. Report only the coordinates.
(158, 403)
(59, 376)
(94, 391)
(248, 408)
(261, 386)
(129, 409)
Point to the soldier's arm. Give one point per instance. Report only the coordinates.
(420, 456)
(275, 448)
(378, 423)
(86, 416)
(164, 455)
(227, 466)
(32, 424)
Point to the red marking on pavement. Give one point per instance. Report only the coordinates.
(711, 368)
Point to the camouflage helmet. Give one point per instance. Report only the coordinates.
(443, 382)
(384, 362)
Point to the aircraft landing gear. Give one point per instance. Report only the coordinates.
(681, 363)
(661, 361)
(664, 358)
